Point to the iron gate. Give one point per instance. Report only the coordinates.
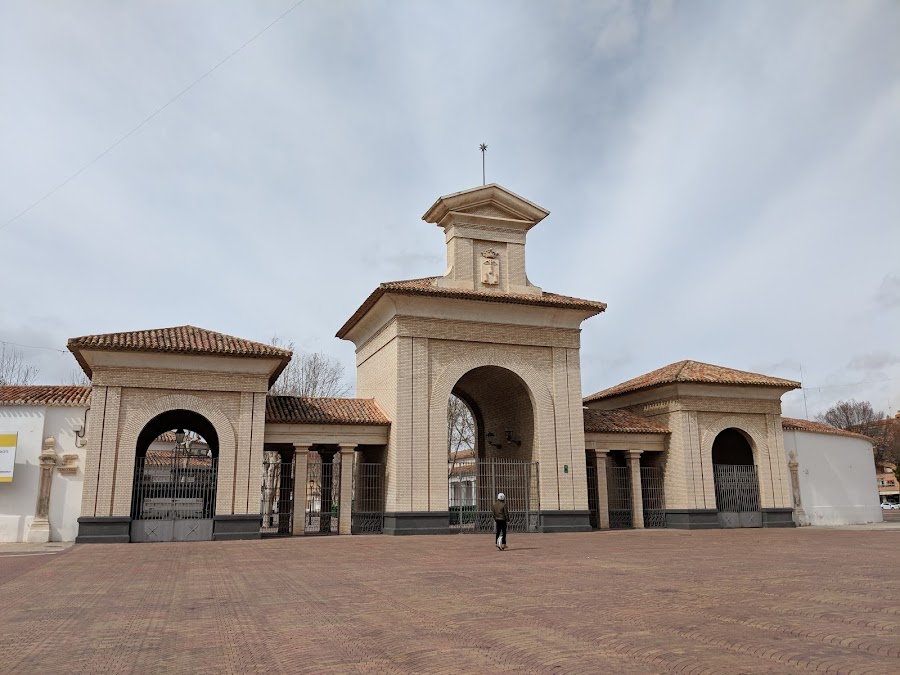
(277, 498)
(619, 486)
(173, 498)
(737, 495)
(653, 496)
(323, 494)
(516, 479)
(592, 495)
(368, 499)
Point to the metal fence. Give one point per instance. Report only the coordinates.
(592, 495)
(368, 499)
(653, 496)
(323, 494)
(517, 479)
(277, 497)
(619, 489)
(737, 495)
(173, 498)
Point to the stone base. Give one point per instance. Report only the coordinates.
(778, 518)
(692, 519)
(38, 532)
(104, 530)
(565, 521)
(416, 522)
(243, 526)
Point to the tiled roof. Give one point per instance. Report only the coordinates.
(791, 424)
(693, 371)
(619, 421)
(169, 437)
(303, 410)
(50, 395)
(428, 287)
(178, 340)
(166, 458)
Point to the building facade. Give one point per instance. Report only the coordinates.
(690, 445)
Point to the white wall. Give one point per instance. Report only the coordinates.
(18, 499)
(837, 478)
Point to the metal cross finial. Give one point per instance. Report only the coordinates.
(483, 148)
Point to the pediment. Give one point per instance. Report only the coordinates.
(487, 201)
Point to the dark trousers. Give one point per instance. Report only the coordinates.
(500, 531)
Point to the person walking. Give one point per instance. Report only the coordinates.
(501, 516)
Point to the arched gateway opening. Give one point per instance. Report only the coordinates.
(491, 449)
(737, 484)
(175, 471)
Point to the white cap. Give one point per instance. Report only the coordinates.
(501, 497)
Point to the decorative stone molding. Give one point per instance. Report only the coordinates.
(69, 465)
(739, 422)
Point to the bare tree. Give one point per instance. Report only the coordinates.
(460, 429)
(77, 378)
(859, 416)
(14, 368)
(310, 374)
(850, 414)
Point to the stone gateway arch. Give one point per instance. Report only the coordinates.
(637, 454)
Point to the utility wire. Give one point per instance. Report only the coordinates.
(18, 344)
(150, 117)
(854, 384)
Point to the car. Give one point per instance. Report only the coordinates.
(887, 506)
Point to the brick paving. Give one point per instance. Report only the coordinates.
(751, 601)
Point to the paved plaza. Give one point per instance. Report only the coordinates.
(739, 601)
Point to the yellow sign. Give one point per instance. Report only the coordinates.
(7, 457)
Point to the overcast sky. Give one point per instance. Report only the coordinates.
(724, 175)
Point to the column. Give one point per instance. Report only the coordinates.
(347, 452)
(39, 531)
(602, 490)
(637, 495)
(301, 454)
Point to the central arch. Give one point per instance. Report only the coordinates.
(501, 412)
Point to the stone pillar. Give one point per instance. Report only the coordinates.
(39, 531)
(301, 454)
(637, 494)
(602, 490)
(794, 466)
(347, 452)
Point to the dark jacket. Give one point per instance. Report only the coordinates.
(500, 512)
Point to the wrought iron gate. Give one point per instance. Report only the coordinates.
(277, 498)
(323, 494)
(592, 495)
(516, 479)
(653, 496)
(618, 483)
(368, 499)
(737, 495)
(173, 498)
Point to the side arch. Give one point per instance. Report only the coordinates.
(758, 444)
(756, 437)
(138, 419)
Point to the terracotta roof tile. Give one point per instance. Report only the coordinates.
(427, 287)
(791, 424)
(50, 395)
(692, 371)
(619, 421)
(177, 340)
(303, 410)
